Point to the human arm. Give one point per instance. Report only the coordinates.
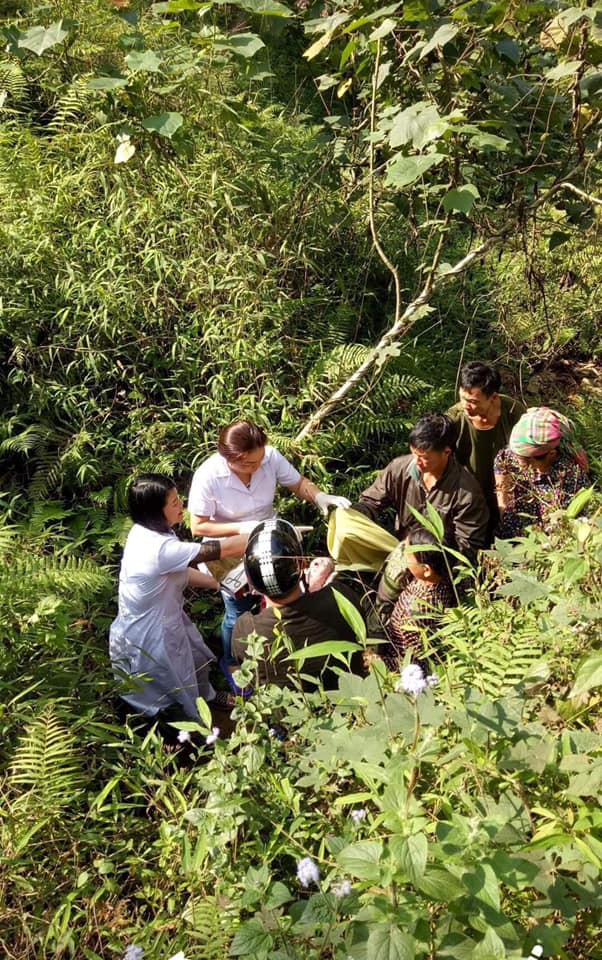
(381, 493)
(201, 580)
(471, 521)
(234, 546)
(204, 526)
(306, 490)
(504, 482)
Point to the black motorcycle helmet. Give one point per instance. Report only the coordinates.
(273, 559)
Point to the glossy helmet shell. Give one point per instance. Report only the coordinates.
(274, 558)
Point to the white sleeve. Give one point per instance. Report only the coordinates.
(286, 474)
(201, 499)
(175, 555)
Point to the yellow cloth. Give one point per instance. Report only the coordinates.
(356, 543)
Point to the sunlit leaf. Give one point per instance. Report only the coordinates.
(566, 69)
(107, 83)
(462, 198)
(441, 36)
(143, 61)
(125, 151)
(39, 39)
(165, 124)
(403, 171)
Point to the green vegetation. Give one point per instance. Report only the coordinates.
(307, 214)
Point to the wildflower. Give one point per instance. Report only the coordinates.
(178, 956)
(341, 889)
(133, 953)
(183, 736)
(211, 738)
(358, 815)
(432, 680)
(307, 872)
(412, 680)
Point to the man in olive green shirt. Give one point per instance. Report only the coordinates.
(484, 419)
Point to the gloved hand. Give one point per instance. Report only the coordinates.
(247, 526)
(325, 500)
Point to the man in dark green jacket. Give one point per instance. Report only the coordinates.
(431, 473)
(484, 418)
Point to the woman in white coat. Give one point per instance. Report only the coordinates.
(154, 646)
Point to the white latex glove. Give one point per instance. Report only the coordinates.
(325, 500)
(247, 526)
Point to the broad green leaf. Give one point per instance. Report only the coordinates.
(440, 885)
(404, 171)
(385, 28)
(483, 141)
(165, 124)
(462, 198)
(204, 712)
(419, 124)
(441, 36)
(251, 938)
(39, 39)
(491, 947)
(482, 883)
(318, 45)
(107, 83)
(410, 854)
(509, 49)
(362, 859)
(146, 61)
(557, 238)
(588, 676)
(329, 648)
(566, 69)
(387, 942)
(179, 6)
(524, 586)
(265, 8)
(242, 44)
(351, 614)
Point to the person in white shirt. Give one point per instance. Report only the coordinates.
(234, 490)
(154, 647)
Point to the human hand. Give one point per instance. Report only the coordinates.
(326, 500)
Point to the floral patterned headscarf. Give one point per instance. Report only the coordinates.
(541, 430)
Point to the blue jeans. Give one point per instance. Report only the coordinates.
(233, 607)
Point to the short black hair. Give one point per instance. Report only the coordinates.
(435, 431)
(146, 500)
(434, 558)
(480, 375)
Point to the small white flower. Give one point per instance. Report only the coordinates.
(358, 815)
(133, 953)
(211, 738)
(412, 680)
(178, 956)
(433, 680)
(341, 889)
(307, 872)
(183, 736)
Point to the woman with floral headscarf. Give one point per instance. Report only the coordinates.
(540, 470)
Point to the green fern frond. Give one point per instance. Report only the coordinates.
(70, 577)
(13, 85)
(212, 925)
(46, 771)
(487, 649)
(70, 108)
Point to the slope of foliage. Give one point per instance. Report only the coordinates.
(462, 822)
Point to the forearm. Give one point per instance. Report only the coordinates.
(306, 490)
(203, 581)
(204, 527)
(217, 549)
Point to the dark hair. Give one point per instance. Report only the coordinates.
(239, 438)
(479, 375)
(146, 499)
(435, 431)
(434, 558)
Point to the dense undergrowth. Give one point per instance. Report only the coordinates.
(227, 269)
(479, 832)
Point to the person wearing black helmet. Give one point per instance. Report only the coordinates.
(275, 565)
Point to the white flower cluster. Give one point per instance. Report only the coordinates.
(212, 737)
(134, 953)
(342, 888)
(413, 680)
(183, 736)
(358, 815)
(308, 872)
